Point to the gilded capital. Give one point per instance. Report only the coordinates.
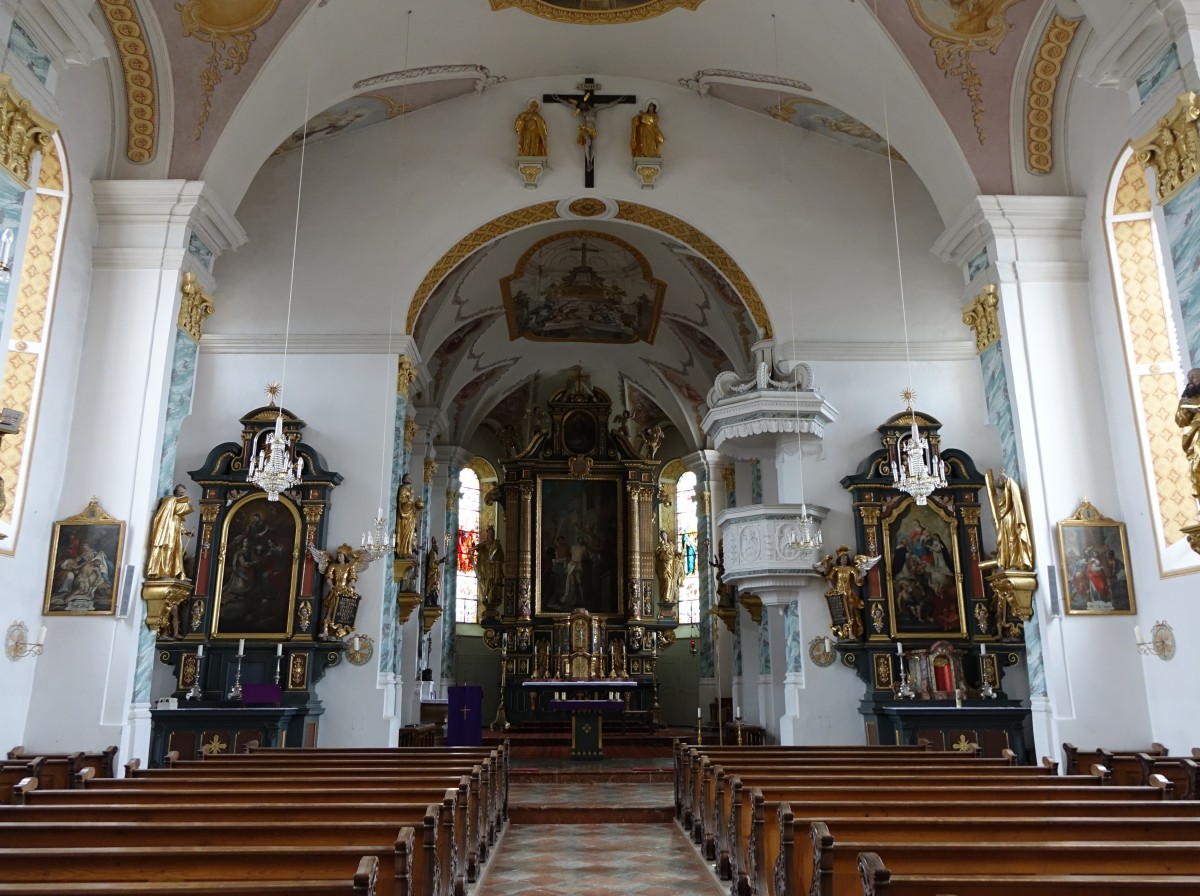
(410, 431)
(982, 317)
(21, 132)
(406, 375)
(194, 305)
(1172, 148)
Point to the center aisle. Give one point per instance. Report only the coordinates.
(604, 829)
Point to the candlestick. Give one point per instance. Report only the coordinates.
(241, 646)
(899, 649)
(194, 692)
(235, 692)
(697, 712)
(278, 663)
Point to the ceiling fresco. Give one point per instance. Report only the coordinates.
(471, 392)
(583, 286)
(804, 112)
(714, 356)
(643, 409)
(596, 12)
(365, 109)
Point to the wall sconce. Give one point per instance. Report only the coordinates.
(1161, 643)
(16, 642)
(359, 649)
(692, 647)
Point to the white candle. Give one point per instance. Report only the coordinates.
(279, 649)
(355, 644)
(42, 636)
(983, 650)
(241, 647)
(737, 712)
(697, 712)
(199, 651)
(899, 649)
(1137, 634)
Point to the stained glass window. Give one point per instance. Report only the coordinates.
(466, 599)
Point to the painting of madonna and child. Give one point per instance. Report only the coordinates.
(923, 566)
(579, 529)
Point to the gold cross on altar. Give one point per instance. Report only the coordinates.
(466, 711)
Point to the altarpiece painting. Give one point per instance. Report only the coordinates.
(580, 532)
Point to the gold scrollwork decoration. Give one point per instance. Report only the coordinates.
(406, 375)
(410, 432)
(983, 317)
(587, 207)
(1043, 84)
(1172, 148)
(430, 470)
(595, 12)
(228, 26)
(194, 305)
(141, 101)
(976, 26)
(22, 131)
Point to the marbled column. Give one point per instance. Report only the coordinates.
(1183, 234)
(391, 638)
(756, 486)
(793, 637)
(704, 551)
(764, 644)
(525, 568)
(450, 573)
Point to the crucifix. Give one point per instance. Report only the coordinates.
(586, 104)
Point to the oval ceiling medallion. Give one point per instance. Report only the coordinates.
(596, 12)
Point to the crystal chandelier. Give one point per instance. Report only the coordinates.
(379, 541)
(273, 468)
(917, 468)
(806, 539)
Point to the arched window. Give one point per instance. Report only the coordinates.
(466, 591)
(1153, 359)
(32, 303)
(687, 538)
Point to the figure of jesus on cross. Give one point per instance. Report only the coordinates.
(586, 104)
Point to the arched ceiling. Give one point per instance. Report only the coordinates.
(235, 72)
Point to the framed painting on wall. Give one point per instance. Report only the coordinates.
(1095, 564)
(579, 556)
(85, 563)
(259, 569)
(924, 575)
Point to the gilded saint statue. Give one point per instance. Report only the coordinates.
(645, 138)
(407, 505)
(531, 132)
(668, 570)
(433, 573)
(489, 567)
(340, 606)
(726, 592)
(845, 574)
(167, 536)
(652, 437)
(1187, 417)
(1014, 549)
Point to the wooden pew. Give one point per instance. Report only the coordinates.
(1123, 763)
(1119, 857)
(61, 866)
(878, 880)
(1179, 770)
(15, 771)
(103, 761)
(818, 868)
(468, 824)
(434, 861)
(364, 883)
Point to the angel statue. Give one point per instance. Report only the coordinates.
(844, 576)
(341, 571)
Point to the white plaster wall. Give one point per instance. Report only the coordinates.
(381, 205)
(347, 402)
(55, 676)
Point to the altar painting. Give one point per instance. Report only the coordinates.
(580, 532)
(258, 570)
(923, 573)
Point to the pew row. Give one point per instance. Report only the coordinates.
(1126, 770)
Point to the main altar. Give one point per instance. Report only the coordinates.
(574, 614)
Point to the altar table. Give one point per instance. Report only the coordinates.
(586, 701)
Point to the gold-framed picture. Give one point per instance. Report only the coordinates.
(580, 533)
(259, 569)
(1095, 564)
(85, 563)
(923, 571)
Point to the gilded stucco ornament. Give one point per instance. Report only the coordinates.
(22, 131)
(982, 317)
(1043, 84)
(406, 375)
(410, 432)
(228, 26)
(958, 30)
(194, 305)
(1172, 148)
(137, 67)
(596, 12)
(430, 470)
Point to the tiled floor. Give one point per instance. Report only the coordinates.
(597, 860)
(585, 795)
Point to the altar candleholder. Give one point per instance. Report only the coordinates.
(987, 692)
(738, 720)
(235, 692)
(501, 723)
(278, 661)
(194, 692)
(905, 692)
(699, 733)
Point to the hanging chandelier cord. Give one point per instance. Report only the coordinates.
(287, 327)
(887, 139)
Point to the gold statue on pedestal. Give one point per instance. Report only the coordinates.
(844, 575)
(489, 568)
(407, 506)
(340, 607)
(1014, 580)
(167, 585)
(668, 570)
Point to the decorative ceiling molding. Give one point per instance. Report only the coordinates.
(704, 78)
(483, 76)
(141, 101)
(1043, 85)
(633, 212)
(596, 12)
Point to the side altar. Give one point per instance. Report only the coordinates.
(575, 601)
